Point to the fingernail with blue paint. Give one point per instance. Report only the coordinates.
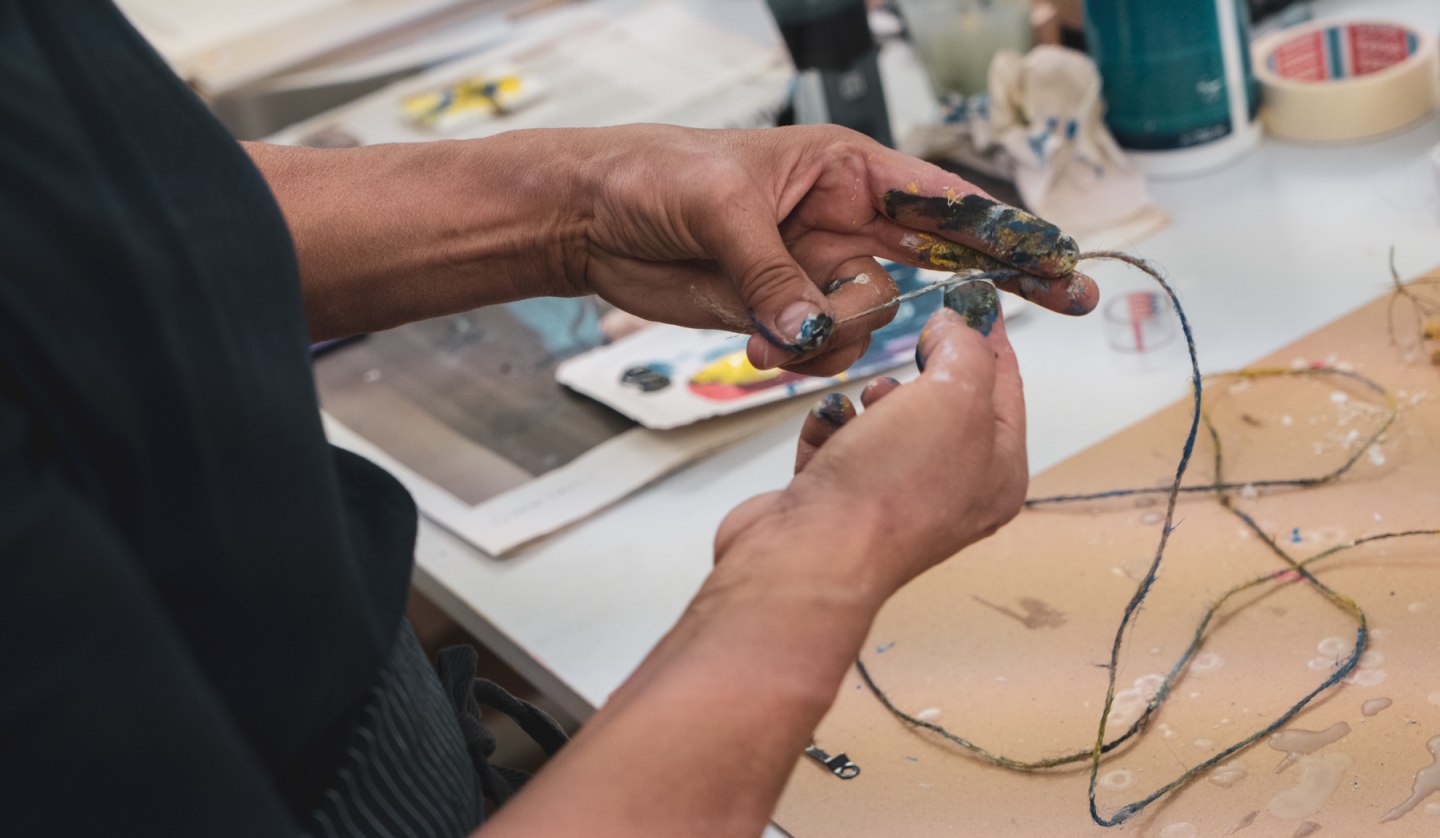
(834, 409)
(977, 302)
(801, 327)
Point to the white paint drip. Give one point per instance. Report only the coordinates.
(1136, 569)
(1128, 705)
(1374, 706)
(1338, 397)
(1375, 455)
(1243, 823)
(1319, 777)
(1416, 607)
(929, 714)
(1119, 779)
(1366, 677)
(1179, 830)
(1433, 698)
(1228, 774)
(1149, 685)
(1333, 646)
(1427, 782)
(1296, 743)
(1207, 662)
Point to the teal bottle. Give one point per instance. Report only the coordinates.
(1178, 85)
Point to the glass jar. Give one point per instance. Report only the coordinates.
(956, 39)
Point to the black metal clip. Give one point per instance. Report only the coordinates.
(839, 765)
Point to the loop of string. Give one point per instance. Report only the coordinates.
(1299, 569)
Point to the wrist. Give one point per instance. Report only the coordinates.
(390, 234)
(813, 552)
(533, 227)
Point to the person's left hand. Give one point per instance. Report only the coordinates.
(773, 232)
(929, 468)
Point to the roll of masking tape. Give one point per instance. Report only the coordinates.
(1335, 80)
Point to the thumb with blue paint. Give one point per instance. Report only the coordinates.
(789, 313)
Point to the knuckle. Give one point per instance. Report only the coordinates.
(766, 280)
(842, 140)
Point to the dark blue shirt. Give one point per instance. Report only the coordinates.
(195, 589)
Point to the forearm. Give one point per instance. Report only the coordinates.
(390, 234)
(701, 740)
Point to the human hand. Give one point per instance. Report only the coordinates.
(929, 467)
(774, 232)
(758, 655)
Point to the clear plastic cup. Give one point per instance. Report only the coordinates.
(1139, 322)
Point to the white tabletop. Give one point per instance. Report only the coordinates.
(1262, 251)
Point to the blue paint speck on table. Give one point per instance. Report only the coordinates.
(883, 648)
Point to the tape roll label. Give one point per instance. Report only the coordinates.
(1341, 52)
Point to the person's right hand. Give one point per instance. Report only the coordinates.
(930, 467)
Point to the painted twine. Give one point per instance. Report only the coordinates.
(1222, 489)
